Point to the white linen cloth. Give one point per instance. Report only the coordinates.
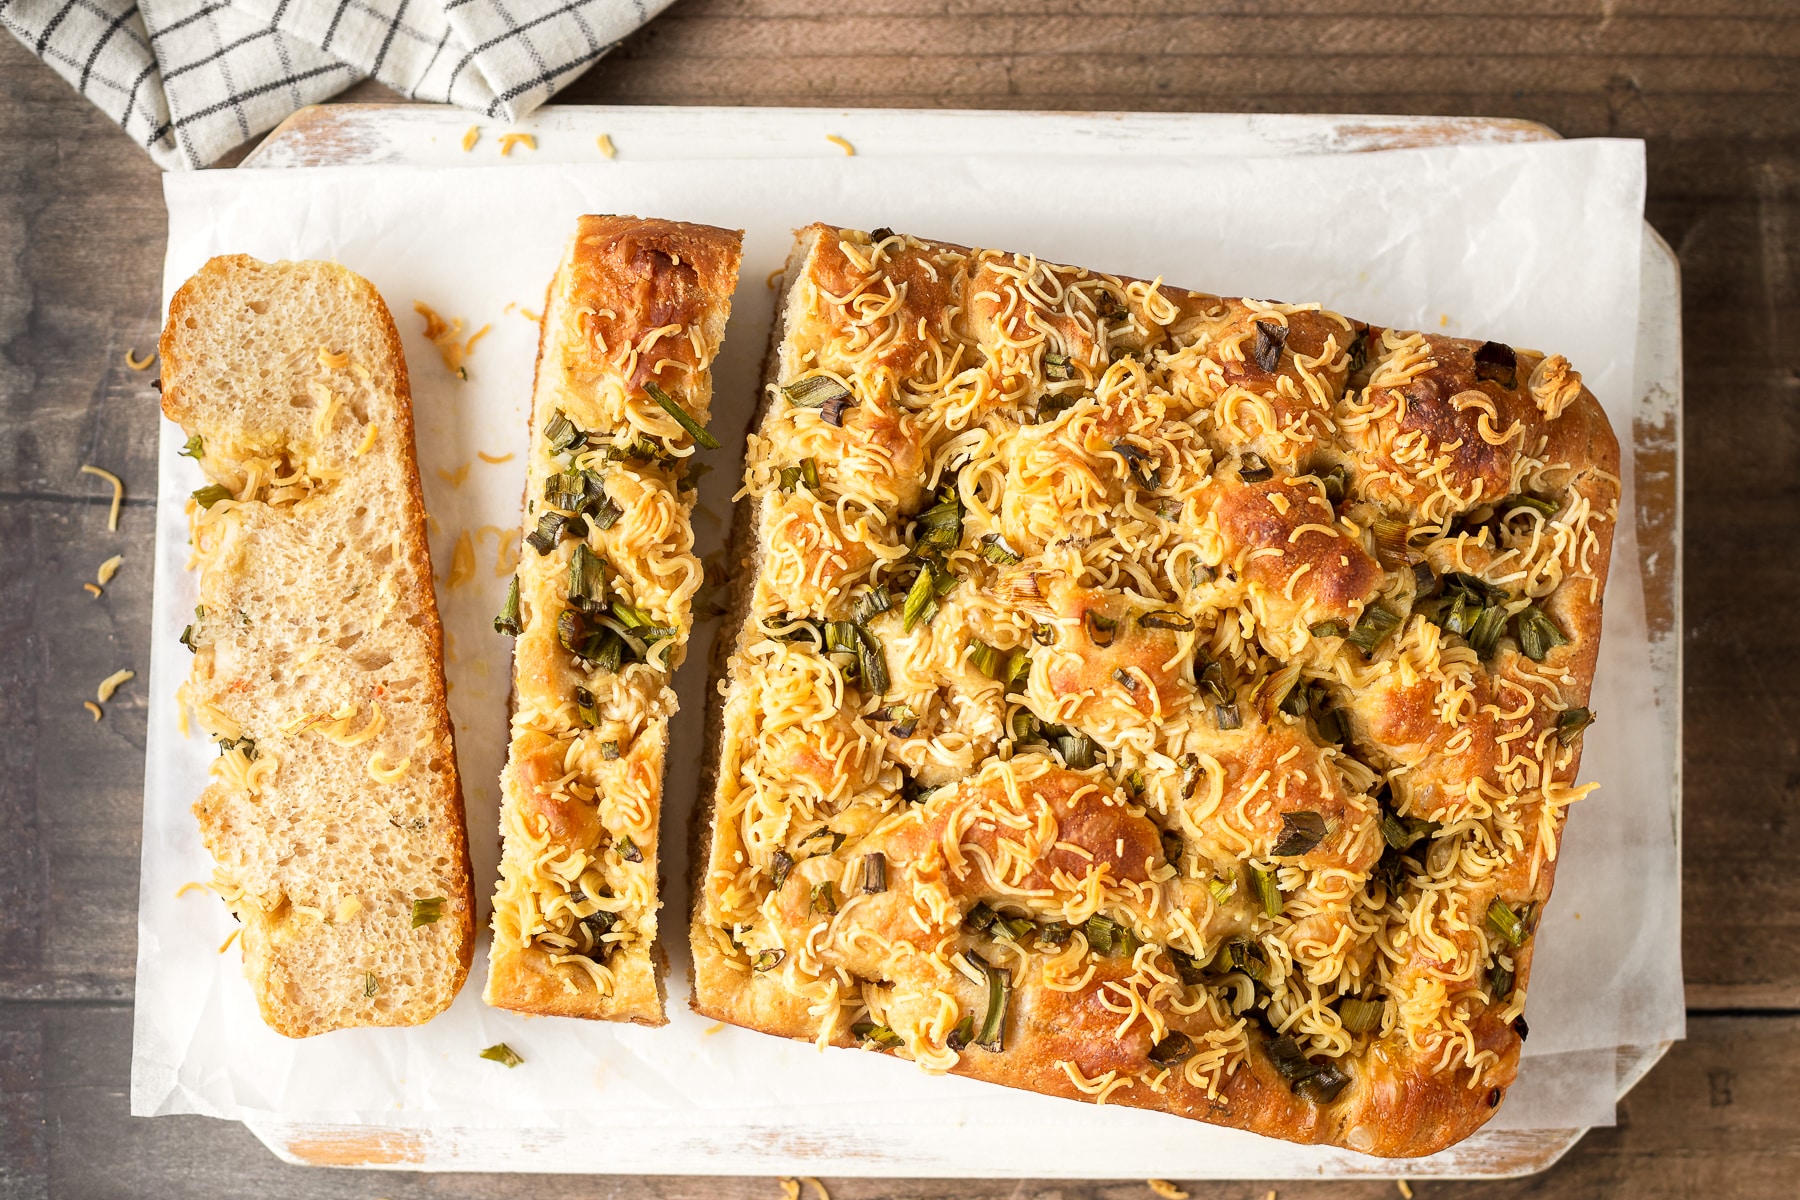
(189, 80)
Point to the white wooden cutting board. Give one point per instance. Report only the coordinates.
(420, 135)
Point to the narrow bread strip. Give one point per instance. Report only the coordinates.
(335, 816)
(635, 316)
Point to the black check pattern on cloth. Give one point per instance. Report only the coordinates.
(190, 79)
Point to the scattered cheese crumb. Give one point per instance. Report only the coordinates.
(1405, 1188)
(348, 907)
(132, 361)
(92, 707)
(529, 315)
(109, 568)
(462, 558)
(1166, 1190)
(470, 137)
(509, 140)
(386, 774)
(226, 944)
(712, 1029)
(454, 478)
(790, 1189)
(604, 141)
(810, 1182)
(368, 442)
(192, 885)
(841, 143)
(94, 588)
(1443, 320)
(333, 362)
(111, 684)
(485, 457)
(118, 487)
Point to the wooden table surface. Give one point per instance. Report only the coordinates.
(1713, 87)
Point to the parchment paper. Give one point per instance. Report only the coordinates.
(1537, 245)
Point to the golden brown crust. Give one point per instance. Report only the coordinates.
(1128, 763)
(637, 308)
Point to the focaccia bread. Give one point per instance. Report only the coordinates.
(335, 815)
(1149, 697)
(601, 611)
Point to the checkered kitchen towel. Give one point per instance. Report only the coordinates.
(190, 79)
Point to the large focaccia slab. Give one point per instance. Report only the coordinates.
(601, 611)
(1148, 697)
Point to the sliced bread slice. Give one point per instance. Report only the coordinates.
(601, 610)
(335, 815)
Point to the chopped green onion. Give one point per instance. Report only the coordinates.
(1252, 468)
(1126, 679)
(190, 634)
(1390, 541)
(993, 547)
(813, 392)
(1053, 933)
(1222, 889)
(768, 960)
(1170, 510)
(195, 448)
(1102, 934)
(211, 494)
(695, 429)
(1018, 669)
(1165, 619)
(870, 1033)
(870, 602)
(1243, 955)
(873, 661)
(920, 603)
(986, 659)
(823, 899)
(549, 531)
(1376, 624)
(963, 1034)
(561, 433)
(1077, 750)
(1336, 484)
(371, 985)
(874, 872)
(1175, 1048)
(1500, 984)
(1172, 846)
(1505, 922)
(1361, 1016)
(1209, 676)
(1098, 623)
(503, 1054)
(993, 1023)
(1288, 1060)
(1191, 969)
(1296, 700)
(427, 912)
(1267, 891)
(1271, 336)
(587, 578)
(981, 918)
(628, 850)
(939, 527)
(1323, 1086)
(1401, 832)
(1300, 832)
(588, 709)
(1228, 716)
(609, 750)
(604, 513)
(788, 478)
(1012, 929)
(1570, 722)
(1538, 634)
(779, 866)
(1056, 366)
(1486, 631)
(1537, 504)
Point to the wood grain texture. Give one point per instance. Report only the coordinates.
(1711, 85)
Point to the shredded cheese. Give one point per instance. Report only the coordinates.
(111, 684)
(470, 136)
(841, 143)
(1166, 1190)
(139, 364)
(108, 569)
(605, 142)
(509, 140)
(92, 708)
(93, 589)
(118, 496)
